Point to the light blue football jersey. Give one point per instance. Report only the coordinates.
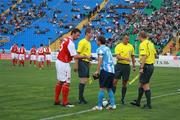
(107, 58)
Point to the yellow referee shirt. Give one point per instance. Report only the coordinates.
(124, 51)
(147, 48)
(84, 48)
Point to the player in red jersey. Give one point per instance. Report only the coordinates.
(41, 55)
(14, 53)
(22, 54)
(66, 53)
(33, 55)
(48, 56)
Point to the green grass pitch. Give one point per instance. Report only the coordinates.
(27, 93)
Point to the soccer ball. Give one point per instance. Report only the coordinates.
(105, 103)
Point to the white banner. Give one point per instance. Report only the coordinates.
(163, 61)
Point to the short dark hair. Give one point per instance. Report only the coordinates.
(75, 30)
(143, 34)
(126, 35)
(88, 30)
(102, 39)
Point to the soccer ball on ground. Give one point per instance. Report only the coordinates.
(105, 103)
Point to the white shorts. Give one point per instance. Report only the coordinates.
(33, 57)
(63, 71)
(40, 58)
(14, 55)
(21, 57)
(49, 57)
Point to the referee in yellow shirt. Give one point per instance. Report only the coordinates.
(147, 54)
(84, 48)
(124, 54)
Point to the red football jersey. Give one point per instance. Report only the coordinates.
(64, 53)
(41, 51)
(33, 51)
(14, 49)
(48, 50)
(22, 50)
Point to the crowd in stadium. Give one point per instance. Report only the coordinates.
(21, 17)
(25, 13)
(162, 25)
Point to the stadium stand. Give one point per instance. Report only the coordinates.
(56, 19)
(34, 22)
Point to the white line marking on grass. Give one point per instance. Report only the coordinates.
(170, 94)
(89, 110)
(66, 115)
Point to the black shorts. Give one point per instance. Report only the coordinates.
(147, 73)
(83, 69)
(106, 79)
(122, 70)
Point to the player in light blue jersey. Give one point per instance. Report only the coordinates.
(107, 58)
(105, 68)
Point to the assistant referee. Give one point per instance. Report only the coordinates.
(147, 54)
(124, 54)
(84, 48)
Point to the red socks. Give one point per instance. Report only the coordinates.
(40, 65)
(34, 62)
(57, 92)
(21, 62)
(65, 93)
(48, 63)
(14, 62)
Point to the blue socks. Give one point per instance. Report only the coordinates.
(100, 98)
(111, 97)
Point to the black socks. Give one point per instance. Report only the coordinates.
(123, 92)
(148, 97)
(81, 91)
(140, 94)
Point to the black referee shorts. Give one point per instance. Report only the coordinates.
(147, 73)
(106, 79)
(122, 70)
(83, 69)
